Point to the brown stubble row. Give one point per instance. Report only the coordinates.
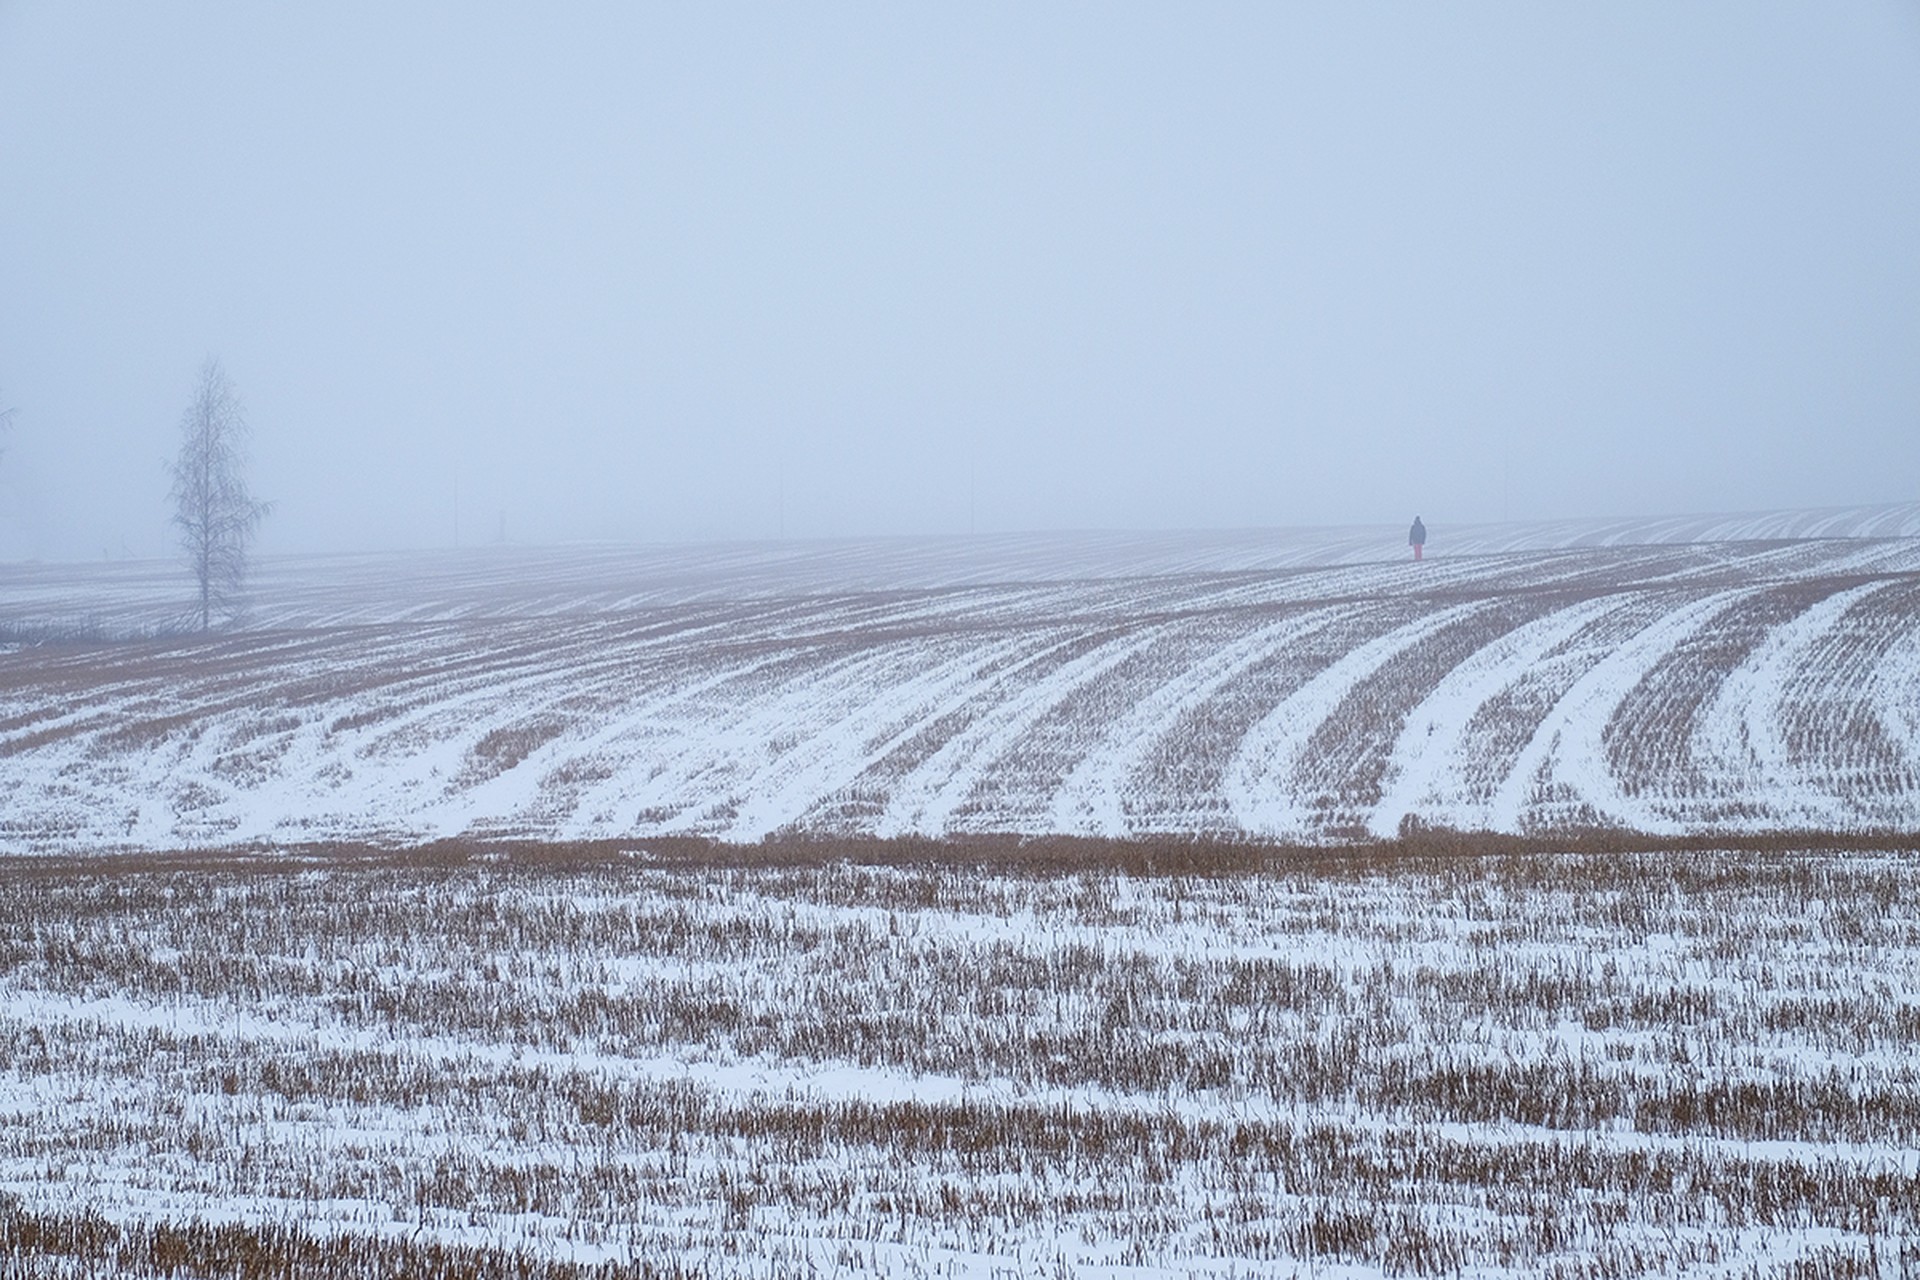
(1432, 1054)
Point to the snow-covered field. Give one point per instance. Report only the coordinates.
(1539, 1066)
(355, 1052)
(1700, 677)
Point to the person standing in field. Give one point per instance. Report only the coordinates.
(1417, 537)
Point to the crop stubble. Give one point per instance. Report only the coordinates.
(689, 1060)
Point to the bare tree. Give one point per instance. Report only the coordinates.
(212, 509)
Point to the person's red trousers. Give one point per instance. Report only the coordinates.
(1416, 549)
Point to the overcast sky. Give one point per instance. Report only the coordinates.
(708, 271)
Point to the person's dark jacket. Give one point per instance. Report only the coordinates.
(1417, 536)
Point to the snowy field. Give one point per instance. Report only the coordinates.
(1540, 1066)
(1714, 677)
(253, 1023)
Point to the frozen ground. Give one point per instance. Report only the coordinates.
(1710, 676)
(1546, 1066)
(670, 1060)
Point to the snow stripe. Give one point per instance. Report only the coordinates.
(1741, 738)
(1426, 773)
(1089, 801)
(925, 800)
(1259, 784)
(1570, 741)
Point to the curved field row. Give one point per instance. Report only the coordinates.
(1703, 688)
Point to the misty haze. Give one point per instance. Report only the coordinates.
(1194, 640)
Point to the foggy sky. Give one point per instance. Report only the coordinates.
(738, 271)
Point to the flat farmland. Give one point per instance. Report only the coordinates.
(1220, 685)
(1076, 905)
(674, 1062)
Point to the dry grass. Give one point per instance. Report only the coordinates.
(1420, 1057)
